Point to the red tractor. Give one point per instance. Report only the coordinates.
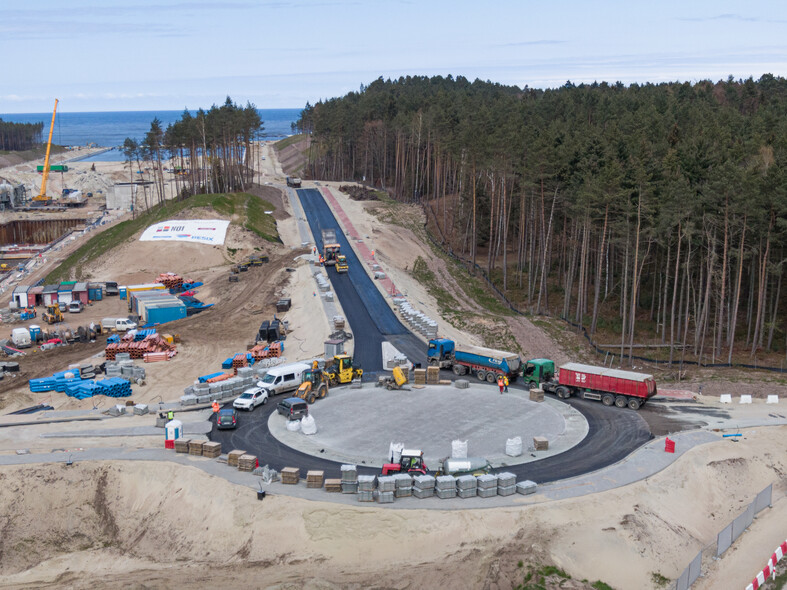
(412, 461)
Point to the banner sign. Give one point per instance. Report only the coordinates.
(202, 231)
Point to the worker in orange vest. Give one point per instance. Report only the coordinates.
(215, 406)
(500, 383)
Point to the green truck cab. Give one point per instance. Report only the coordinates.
(537, 371)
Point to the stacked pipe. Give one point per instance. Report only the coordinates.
(419, 321)
(170, 280)
(262, 351)
(138, 350)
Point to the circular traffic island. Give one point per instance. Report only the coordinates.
(358, 425)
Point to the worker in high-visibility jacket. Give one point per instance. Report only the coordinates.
(215, 406)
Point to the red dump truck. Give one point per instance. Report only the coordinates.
(610, 386)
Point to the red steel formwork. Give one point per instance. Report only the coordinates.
(588, 377)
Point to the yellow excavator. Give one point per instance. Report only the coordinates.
(42, 198)
(314, 384)
(53, 315)
(342, 370)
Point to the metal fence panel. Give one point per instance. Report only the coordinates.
(763, 499)
(695, 568)
(724, 540)
(743, 521)
(683, 581)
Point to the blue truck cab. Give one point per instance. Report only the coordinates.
(440, 349)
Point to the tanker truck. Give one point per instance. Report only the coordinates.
(485, 363)
(610, 386)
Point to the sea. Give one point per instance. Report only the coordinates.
(111, 128)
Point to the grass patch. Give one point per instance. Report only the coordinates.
(288, 141)
(659, 580)
(599, 585)
(251, 209)
(426, 277)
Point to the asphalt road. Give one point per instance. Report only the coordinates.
(613, 432)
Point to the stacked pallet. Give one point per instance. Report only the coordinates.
(419, 376)
(314, 478)
(487, 485)
(233, 456)
(445, 487)
(386, 487)
(506, 484)
(333, 485)
(433, 375)
(349, 479)
(404, 485)
(467, 486)
(182, 445)
(526, 487)
(423, 486)
(540, 443)
(338, 322)
(195, 447)
(536, 395)
(417, 320)
(211, 449)
(366, 483)
(290, 475)
(247, 462)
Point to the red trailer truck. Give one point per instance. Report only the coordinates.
(610, 386)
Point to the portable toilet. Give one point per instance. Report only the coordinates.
(35, 332)
(172, 430)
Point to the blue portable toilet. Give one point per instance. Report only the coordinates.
(35, 332)
(173, 430)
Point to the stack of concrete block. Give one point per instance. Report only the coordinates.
(445, 487)
(322, 282)
(506, 484)
(526, 487)
(141, 409)
(385, 497)
(404, 485)
(211, 449)
(195, 447)
(419, 376)
(123, 356)
(423, 486)
(536, 395)
(349, 479)
(314, 478)
(540, 443)
(432, 375)
(417, 320)
(338, 322)
(487, 485)
(182, 445)
(117, 410)
(366, 488)
(461, 384)
(466, 486)
(333, 485)
(386, 488)
(233, 456)
(290, 475)
(328, 295)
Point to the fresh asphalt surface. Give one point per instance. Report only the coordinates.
(613, 432)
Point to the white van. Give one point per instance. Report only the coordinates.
(21, 338)
(283, 379)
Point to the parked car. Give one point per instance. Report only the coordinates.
(62, 306)
(293, 408)
(250, 399)
(226, 418)
(75, 307)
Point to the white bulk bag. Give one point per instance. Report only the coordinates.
(395, 452)
(308, 425)
(514, 446)
(459, 449)
(293, 425)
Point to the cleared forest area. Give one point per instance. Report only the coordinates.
(650, 216)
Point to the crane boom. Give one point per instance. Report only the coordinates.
(42, 196)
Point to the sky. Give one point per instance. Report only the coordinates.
(175, 54)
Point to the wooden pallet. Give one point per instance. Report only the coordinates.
(290, 475)
(314, 479)
(195, 447)
(233, 456)
(211, 449)
(333, 485)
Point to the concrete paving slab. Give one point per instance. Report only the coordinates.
(430, 419)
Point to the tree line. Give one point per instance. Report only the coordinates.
(20, 136)
(210, 152)
(655, 213)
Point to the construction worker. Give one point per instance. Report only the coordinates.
(215, 406)
(500, 383)
(171, 415)
(505, 383)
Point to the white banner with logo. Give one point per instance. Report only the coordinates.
(202, 231)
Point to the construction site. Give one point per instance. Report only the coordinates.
(373, 437)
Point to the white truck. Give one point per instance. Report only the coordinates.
(21, 338)
(118, 324)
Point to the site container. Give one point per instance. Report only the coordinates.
(65, 293)
(50, 294)
(163, 313)
(80, 293)
(19, 295)
(95, 292)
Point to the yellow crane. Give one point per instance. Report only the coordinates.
(42, 196)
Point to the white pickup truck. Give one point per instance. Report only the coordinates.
(118, 324)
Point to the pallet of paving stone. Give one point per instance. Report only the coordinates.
(386, 483)
(540, 443)
(467, 493)
(444, 382)
(506, 490)
(422, 493)
(445, 494)
(349, 487)
(333, 485)
(247, 462)
(211, 449)
(385, 497)
(314, 478)
(487, 481)
(403, 492)
(424, 482)
(366, 495)
(290, 475)
(526, 487)
(195, 447)
(349, 473)
(403, 480)
(487, 492)
(432, 375)
(182, 445)
(445, 482)
(233, 456)
(506, 478)
(419, 376)
(461, 384)
(536, 395)
(366, 483)
(466, 482)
